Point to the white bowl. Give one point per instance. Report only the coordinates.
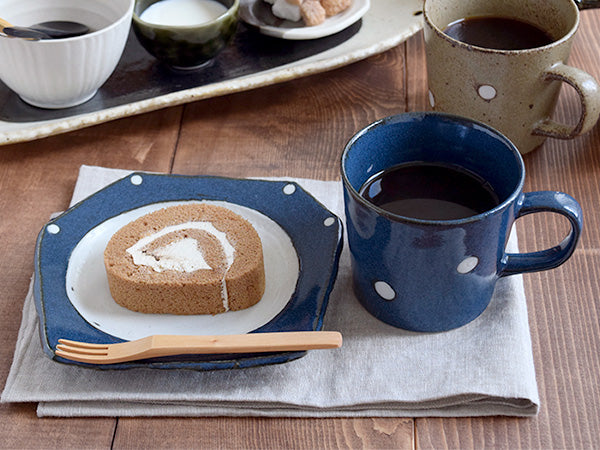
(60, 73)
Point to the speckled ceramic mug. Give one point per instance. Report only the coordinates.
(436, 275)
(515, 91)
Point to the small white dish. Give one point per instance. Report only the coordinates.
(257, 13)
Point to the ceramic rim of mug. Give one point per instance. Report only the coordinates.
(457, 120)
(462, 44)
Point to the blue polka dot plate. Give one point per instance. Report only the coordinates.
(302, 242)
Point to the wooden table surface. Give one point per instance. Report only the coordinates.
(298, 129)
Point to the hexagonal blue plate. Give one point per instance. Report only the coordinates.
(312, 232)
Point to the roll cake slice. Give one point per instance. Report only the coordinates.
(194, 258)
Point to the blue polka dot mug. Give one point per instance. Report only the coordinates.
(424, 274)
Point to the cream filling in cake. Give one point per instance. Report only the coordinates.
(183, 255)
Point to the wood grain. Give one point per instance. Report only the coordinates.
(296, 129)
(264, 433)
(563, 303)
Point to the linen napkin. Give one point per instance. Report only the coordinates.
(483, 368)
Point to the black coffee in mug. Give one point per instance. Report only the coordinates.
(498, 33)
(436, 276)
(430, 191)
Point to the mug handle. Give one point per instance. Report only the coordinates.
(545, 201)
(587, 89)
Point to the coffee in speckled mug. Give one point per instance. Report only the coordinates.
(513, 89)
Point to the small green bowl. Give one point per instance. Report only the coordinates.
(186, 47)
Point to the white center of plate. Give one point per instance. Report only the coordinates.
(87, 286)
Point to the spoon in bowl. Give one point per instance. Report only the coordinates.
(55, 29)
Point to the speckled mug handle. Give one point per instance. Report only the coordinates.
(587, 89)
(545, 201)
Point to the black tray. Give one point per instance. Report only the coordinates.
(139, 76)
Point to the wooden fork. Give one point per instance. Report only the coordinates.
(169, 345)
